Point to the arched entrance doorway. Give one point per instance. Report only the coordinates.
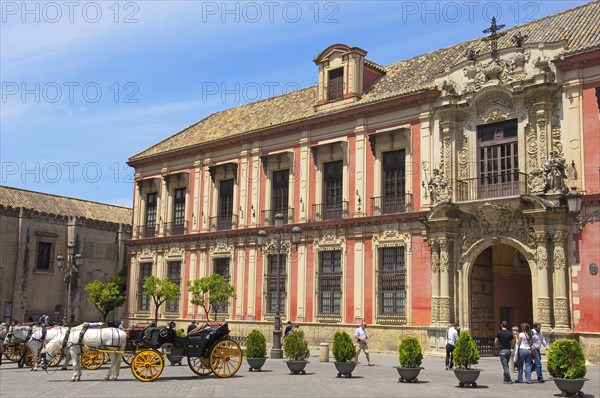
(500, 290)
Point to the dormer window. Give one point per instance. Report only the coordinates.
(344, 75)
(335, 85)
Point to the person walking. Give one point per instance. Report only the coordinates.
(361, 342)
(525, 357)
(451, 337)
(191, 326)
(503, 343)
(538, 341)
(512, 365)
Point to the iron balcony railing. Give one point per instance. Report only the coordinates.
(391, 204)
(492, 186)
(175, 228)
(330, 211)
(146, 231)
(268, 216)
(220, 223)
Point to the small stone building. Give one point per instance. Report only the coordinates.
(34, 229)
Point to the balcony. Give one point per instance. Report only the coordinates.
(146, 231)
(391, 204)
(330, 211)
(221, 223)
(268, 216)
(172, 228)
(492, 186)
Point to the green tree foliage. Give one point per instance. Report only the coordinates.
(566, 359)
(256, 345)
(211, 291)
(409, 353)
(295, 346)
(465, 352)
(160, 290)
(105, 296)
(343, 348)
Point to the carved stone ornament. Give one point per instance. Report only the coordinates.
(146, 253)
(439, 189)
(544, 310)
(444, 316)
(491, 220)
(561, 312)
(390, 230)
(435, 309)
(328, 236)
(550, 178)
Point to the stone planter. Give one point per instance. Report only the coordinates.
(345, 368)
(570, 386)
(467, 377)
(256, 363)
(408, 374)
(296, 367)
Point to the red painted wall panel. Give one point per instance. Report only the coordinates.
(420, 280)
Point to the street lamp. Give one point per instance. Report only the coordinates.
(278, 247)
(70, 267)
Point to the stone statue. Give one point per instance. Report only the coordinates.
(555, 173)
(439, 189)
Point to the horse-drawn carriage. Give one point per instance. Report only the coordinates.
(209, 349)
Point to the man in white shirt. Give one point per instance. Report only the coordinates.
(361, 337)
(451, 337)
(538, 341)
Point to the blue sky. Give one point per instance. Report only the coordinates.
(88, 84)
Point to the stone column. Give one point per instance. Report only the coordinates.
(541, 257)
(435, 282)
(561, 301)
(444, 282)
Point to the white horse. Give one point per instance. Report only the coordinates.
(77, 341)
(36, 339)
(3, 333)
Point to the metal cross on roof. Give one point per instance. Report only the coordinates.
(493, 37)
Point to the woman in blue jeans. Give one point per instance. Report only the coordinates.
(525, 355)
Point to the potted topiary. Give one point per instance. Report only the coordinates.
(566, 365)
(256, 350)
(465, 355)
(343, 353)
(295, 348)
(410, 357)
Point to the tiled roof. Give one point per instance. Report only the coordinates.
(579, 27)
(60, 205)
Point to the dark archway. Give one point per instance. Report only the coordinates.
(500, 290)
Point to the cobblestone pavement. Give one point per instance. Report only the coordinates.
(275, 380)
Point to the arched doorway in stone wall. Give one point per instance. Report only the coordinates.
(500, 284)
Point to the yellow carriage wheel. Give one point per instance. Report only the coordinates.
(29, 359)
(14, 352)
(55, 360)
(225, 358)
(200, 366)
(92, 360)
(147, 365)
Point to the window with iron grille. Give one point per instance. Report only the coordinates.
(276, 273)
(222, 268)
(394, 185)
(498, 159)
(225, 204)
(143, 299)
(392, 282)
(332, 189)
(151, 210)
(280, 194)
(174, 275)
(330, 282)
(43, 255)
(179, 207)
(335, 87)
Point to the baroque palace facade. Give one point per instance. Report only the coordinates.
(431, 190)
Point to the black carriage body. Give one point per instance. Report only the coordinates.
(192, 345)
